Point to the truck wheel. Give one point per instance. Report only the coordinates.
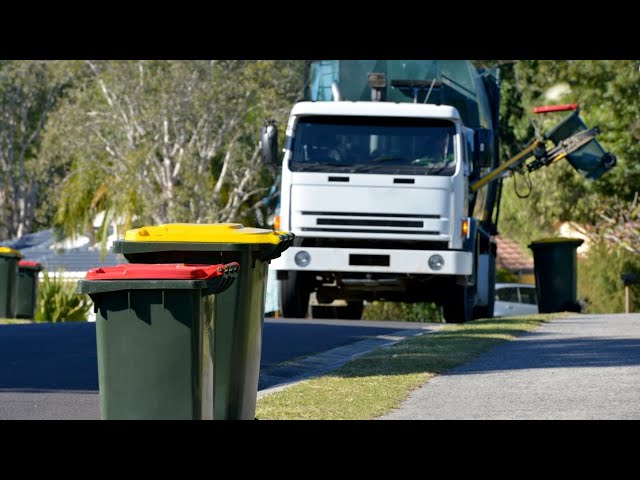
(294, 295)
(458, 308)
(484, 312)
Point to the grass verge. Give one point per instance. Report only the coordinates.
(378, 382)
(13, 321)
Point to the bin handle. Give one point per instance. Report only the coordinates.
(224, 281)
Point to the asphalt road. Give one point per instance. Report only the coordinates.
(583, 367)
(49, 371)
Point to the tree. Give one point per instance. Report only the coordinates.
(167, 141)
(28, 92)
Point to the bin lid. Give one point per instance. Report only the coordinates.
(10, 251)
(555, 240)
(157, 271)
(203, 233)
(28, 263)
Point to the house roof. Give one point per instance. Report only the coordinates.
(40, 247)
(511, 256)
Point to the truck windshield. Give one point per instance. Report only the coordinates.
(389, 145)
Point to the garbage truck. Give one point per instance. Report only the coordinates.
(389, 181)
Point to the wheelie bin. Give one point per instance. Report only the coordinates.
(153, 327)
(27, 289)
(238, 314)
(590, 159)
(555, 265)
(9, 259)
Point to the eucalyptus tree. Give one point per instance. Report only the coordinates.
(167, 141)
(28, 92)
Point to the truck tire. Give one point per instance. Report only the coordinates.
(294, 295)
(484, 312)
(458, 308)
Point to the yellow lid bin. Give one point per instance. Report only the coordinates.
(237, 314)
(209, 233)
(145, 244)
(10, 252)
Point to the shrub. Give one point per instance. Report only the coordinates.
(410, 312)
(58, 302)
(505, 276)
(600, 278)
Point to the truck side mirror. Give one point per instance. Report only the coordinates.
(483, 148)
(269, 143)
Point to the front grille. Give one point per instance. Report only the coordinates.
(369, 223)
(368, 230)
(369, 243)
(359, 214)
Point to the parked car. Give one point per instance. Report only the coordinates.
(515, 299)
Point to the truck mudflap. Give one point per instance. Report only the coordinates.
(436, 262)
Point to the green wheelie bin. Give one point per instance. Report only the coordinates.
(153, 327)
(555, 265)
(239, 313)
(27, 289)
(9, 259)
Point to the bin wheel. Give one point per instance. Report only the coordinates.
(458, 306)
(294, 295)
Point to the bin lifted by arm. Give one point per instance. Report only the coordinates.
(390, 180)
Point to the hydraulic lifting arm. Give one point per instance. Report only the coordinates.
(573, 140)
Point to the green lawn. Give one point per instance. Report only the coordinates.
(377, 383)
(12, 321)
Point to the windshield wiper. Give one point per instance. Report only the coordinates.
(315, 167)
(371, 168)
(387, 158)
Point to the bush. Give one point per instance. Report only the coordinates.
(600, 282)
(506, 276)
(410, 312)
(58, 302)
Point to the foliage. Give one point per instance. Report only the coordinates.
(618, 224)
(28, 91)
(58, 302)
(599, 277)
(506, 276)
(410, 312)
(167, 141)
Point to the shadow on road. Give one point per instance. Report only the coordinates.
(48, 357)
(535, 351)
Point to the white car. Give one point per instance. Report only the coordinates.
(515, 299)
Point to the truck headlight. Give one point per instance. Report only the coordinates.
(436, 262)
(302, 258)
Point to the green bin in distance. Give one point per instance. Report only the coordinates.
(9, 259)
(27, 289)
(239, 313)
(555, 264)
(153, 341)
